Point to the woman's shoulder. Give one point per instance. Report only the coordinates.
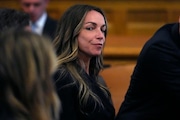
(62, 76)
(64, 82)
(60, 73)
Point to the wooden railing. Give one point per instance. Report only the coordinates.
(120, 49)
(124, 46)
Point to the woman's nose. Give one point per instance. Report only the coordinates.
(100, 34)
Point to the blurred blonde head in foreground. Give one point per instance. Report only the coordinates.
(27, 63)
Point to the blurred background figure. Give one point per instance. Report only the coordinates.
(27, 63)
(154, 90)
(41, 23)
(10, 18)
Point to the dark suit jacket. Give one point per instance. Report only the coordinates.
(154, 91)
(6, 112)
(50, 27)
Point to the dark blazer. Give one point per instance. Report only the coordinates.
(50, 27)
(154, 91)
(68, 90)
(5, 112)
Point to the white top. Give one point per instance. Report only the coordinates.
(38, 26)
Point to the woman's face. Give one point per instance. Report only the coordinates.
(91, 38)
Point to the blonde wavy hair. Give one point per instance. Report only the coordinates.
(27, 63)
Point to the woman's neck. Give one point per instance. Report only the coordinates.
(84, 62)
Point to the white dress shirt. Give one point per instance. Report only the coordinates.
(38, 26)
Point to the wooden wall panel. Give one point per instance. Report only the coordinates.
(143, 21)
(128, 20)
(124, 17)
(118, 79)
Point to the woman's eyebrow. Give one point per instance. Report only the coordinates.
(94, 23)
(91, 23)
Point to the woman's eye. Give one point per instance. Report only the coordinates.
(89, 28)
(103, 29)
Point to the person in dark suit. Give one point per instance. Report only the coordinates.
(41, 22)
(154, 91)
(50, 27)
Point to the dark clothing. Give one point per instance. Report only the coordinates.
(154, 91)
(50, 28)
(68, 90)
(5, 112)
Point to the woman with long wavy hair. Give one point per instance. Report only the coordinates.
(79, 42)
